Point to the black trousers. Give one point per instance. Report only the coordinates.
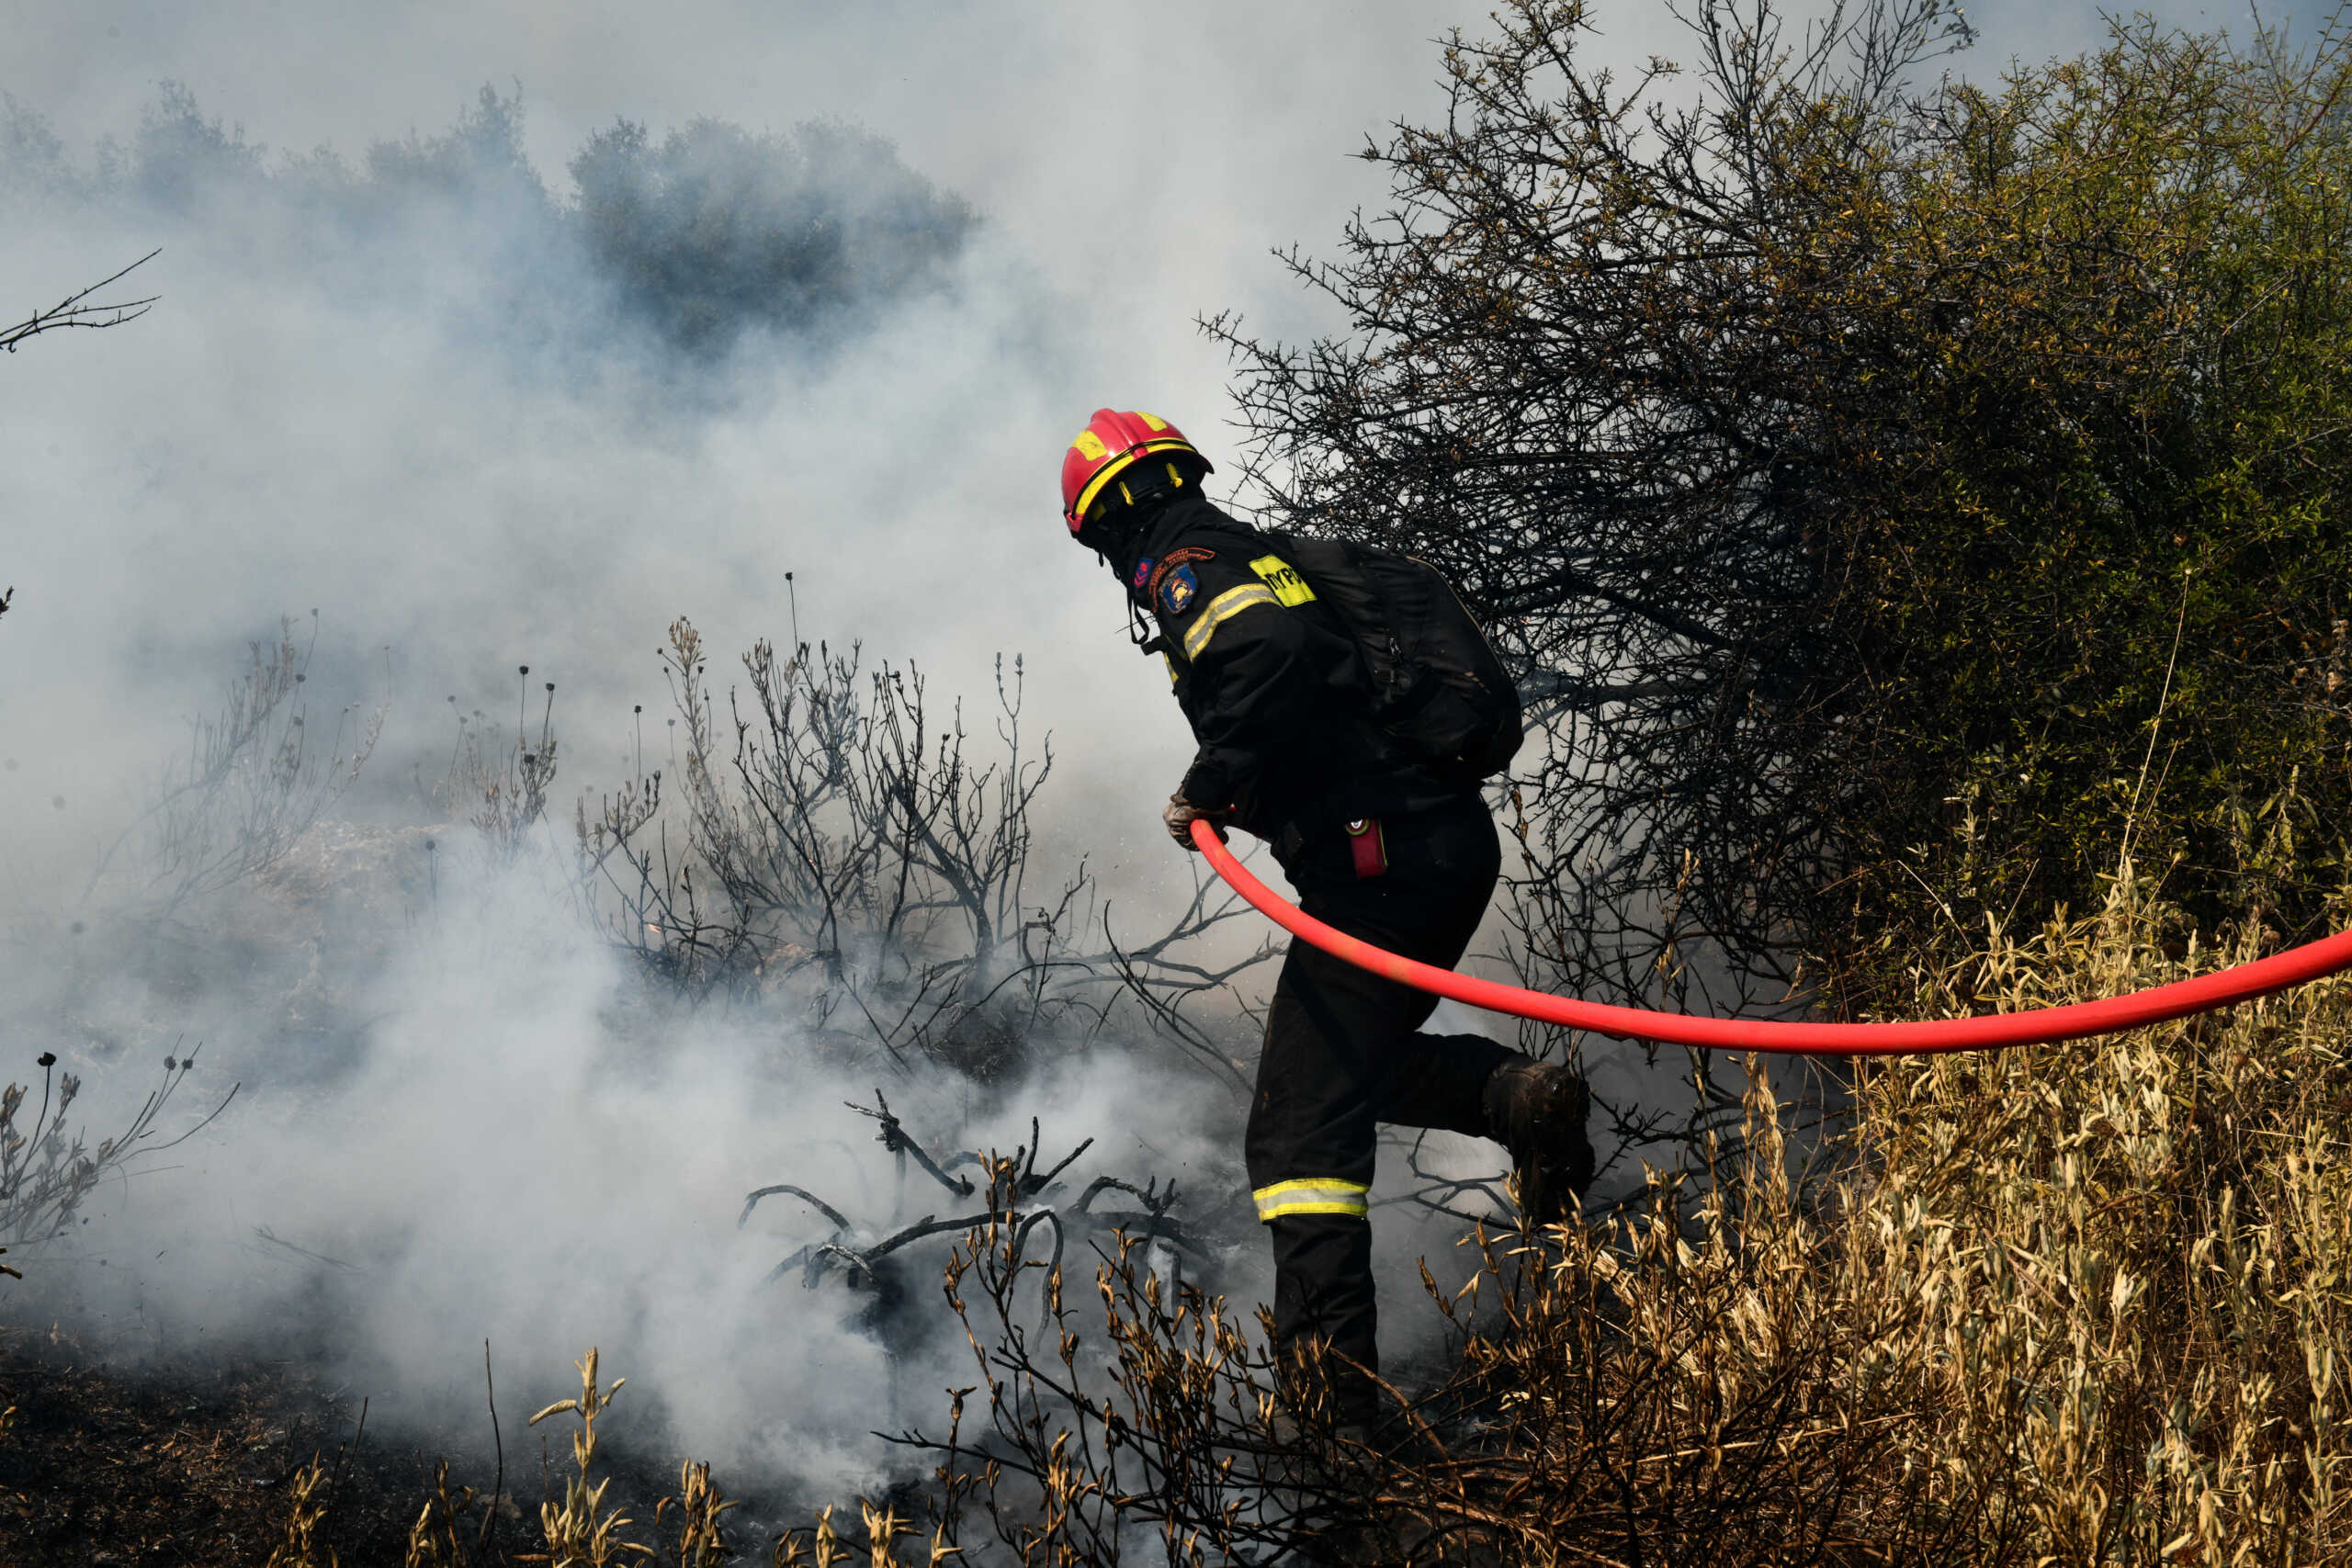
(1343, 1054)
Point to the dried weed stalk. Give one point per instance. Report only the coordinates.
(699, 1542)
(502, 790)
(81, 310)
(47, 1173)
(300, 1546)
(822, 1546)
(435, 1541)
(581, 1530)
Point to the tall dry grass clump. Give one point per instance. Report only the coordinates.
(2132, 1258)
(2070, 1305)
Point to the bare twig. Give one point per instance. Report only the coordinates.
(78, 310)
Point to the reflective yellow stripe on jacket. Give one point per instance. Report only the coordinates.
(1221, 609)
(1311, 1195)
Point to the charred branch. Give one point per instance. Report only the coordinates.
(1020, 1196)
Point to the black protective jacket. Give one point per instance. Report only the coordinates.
(1270, 681)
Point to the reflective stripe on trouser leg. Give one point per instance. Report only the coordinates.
(1311, 1195)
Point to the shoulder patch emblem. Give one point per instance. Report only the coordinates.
(1177, 589)
(1175, 558)
(1141, 575)
(1281, 577)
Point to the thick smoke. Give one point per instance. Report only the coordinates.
(702, 236)
(478, 420)
(713, 231)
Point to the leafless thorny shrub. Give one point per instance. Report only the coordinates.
(47, 1172)
(254, 780)
(842, 847)
(1077, 1460)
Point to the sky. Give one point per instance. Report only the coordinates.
(367, 432)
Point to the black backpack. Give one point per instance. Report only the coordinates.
(1435, 683)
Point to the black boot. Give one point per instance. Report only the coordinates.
(1537, 1111)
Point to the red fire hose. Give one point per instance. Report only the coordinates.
(2243, 983)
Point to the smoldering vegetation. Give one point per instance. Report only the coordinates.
(807, 953)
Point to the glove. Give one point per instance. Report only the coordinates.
(1180, 816)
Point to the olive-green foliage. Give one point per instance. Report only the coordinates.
(2099, 475)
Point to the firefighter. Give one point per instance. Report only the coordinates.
(1375, 843)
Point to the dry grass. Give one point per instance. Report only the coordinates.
(2072, 1304)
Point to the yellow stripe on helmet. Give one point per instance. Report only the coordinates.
(1134, 454)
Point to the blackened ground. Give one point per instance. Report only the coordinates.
(185, 1468)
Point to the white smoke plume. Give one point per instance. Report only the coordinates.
(475, 422)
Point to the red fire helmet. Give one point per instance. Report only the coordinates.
(1111, 442)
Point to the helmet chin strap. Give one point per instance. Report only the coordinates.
(1140, 631)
